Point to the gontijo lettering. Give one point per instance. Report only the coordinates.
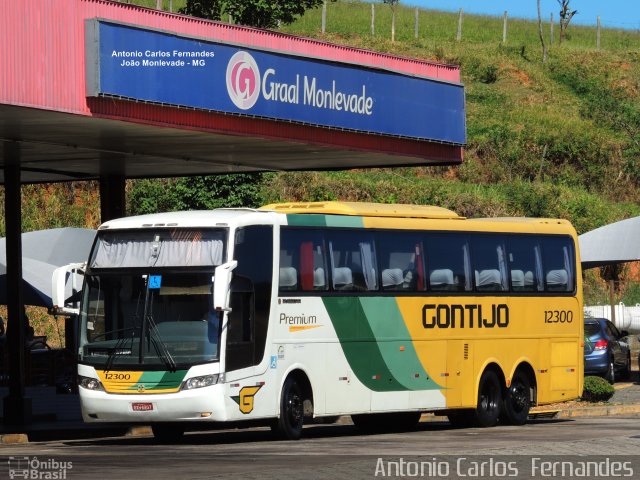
(464, 316)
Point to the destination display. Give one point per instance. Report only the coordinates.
(159, 67)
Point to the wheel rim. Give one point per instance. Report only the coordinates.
(293, 408)
(519, 396)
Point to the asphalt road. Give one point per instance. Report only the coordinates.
(340, 452)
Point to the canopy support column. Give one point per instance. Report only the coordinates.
(17, 407)
(112, 197)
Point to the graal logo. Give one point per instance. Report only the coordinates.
(243, 80)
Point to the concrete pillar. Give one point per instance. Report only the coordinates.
(17, 407)
(112, 197)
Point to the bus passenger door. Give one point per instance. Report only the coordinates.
(247, 322)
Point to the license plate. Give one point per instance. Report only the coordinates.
(142, 407)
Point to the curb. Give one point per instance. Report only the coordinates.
(600, 411)
(13, 438)
(139, 431)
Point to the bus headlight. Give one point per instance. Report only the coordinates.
(199, 382)
(90, 383)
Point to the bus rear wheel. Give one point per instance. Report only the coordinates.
(517, 400)
(289, 424)
(489, 407)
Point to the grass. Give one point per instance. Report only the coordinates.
(353, 18)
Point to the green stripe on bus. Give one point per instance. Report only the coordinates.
(161, 379)
(324, 221)
(340, 221)
(359, 344)
(395, 344)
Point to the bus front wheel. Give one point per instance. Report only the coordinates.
(517, 401)
(289, 424)
(489, 407)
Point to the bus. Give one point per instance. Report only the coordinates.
(300, 312)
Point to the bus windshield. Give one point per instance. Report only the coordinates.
(156, 320)
(148, 299)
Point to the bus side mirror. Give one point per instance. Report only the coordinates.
(59, 280)
(221, 285)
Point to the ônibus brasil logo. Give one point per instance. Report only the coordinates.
(243, 80)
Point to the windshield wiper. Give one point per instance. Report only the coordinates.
(160, 346)
(119, 346)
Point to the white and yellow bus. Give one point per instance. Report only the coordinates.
(309, 310)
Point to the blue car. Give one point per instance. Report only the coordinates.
(606, 350)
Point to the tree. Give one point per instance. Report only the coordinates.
(565, 17)
(253, 13)
(195, 193)
(393, 4)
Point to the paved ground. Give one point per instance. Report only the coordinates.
(341, 452)
(625, 401)
(627, 392)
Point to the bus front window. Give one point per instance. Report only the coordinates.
(156, 319)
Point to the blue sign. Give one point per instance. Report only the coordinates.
(158, 67)
(155, 282)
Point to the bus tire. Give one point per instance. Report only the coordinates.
(489, 407)
(289, 424)
(517, 400)
(167, 433)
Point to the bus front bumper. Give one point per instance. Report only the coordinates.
(200, 404)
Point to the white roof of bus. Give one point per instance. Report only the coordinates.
(198, 218)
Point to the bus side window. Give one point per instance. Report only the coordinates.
(353, 261)
(489, 263)
(302, 261)
(447, 259)
(558, 258)
(522, 261)
(401, 261)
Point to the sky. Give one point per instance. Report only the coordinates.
(613, 13)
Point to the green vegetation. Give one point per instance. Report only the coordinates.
(573, 123)
(196, 193)
(255, 13)
(597, 389)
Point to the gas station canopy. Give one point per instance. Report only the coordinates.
(92, 88)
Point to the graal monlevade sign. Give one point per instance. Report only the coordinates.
(133, 63)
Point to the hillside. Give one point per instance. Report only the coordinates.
(555, 139)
